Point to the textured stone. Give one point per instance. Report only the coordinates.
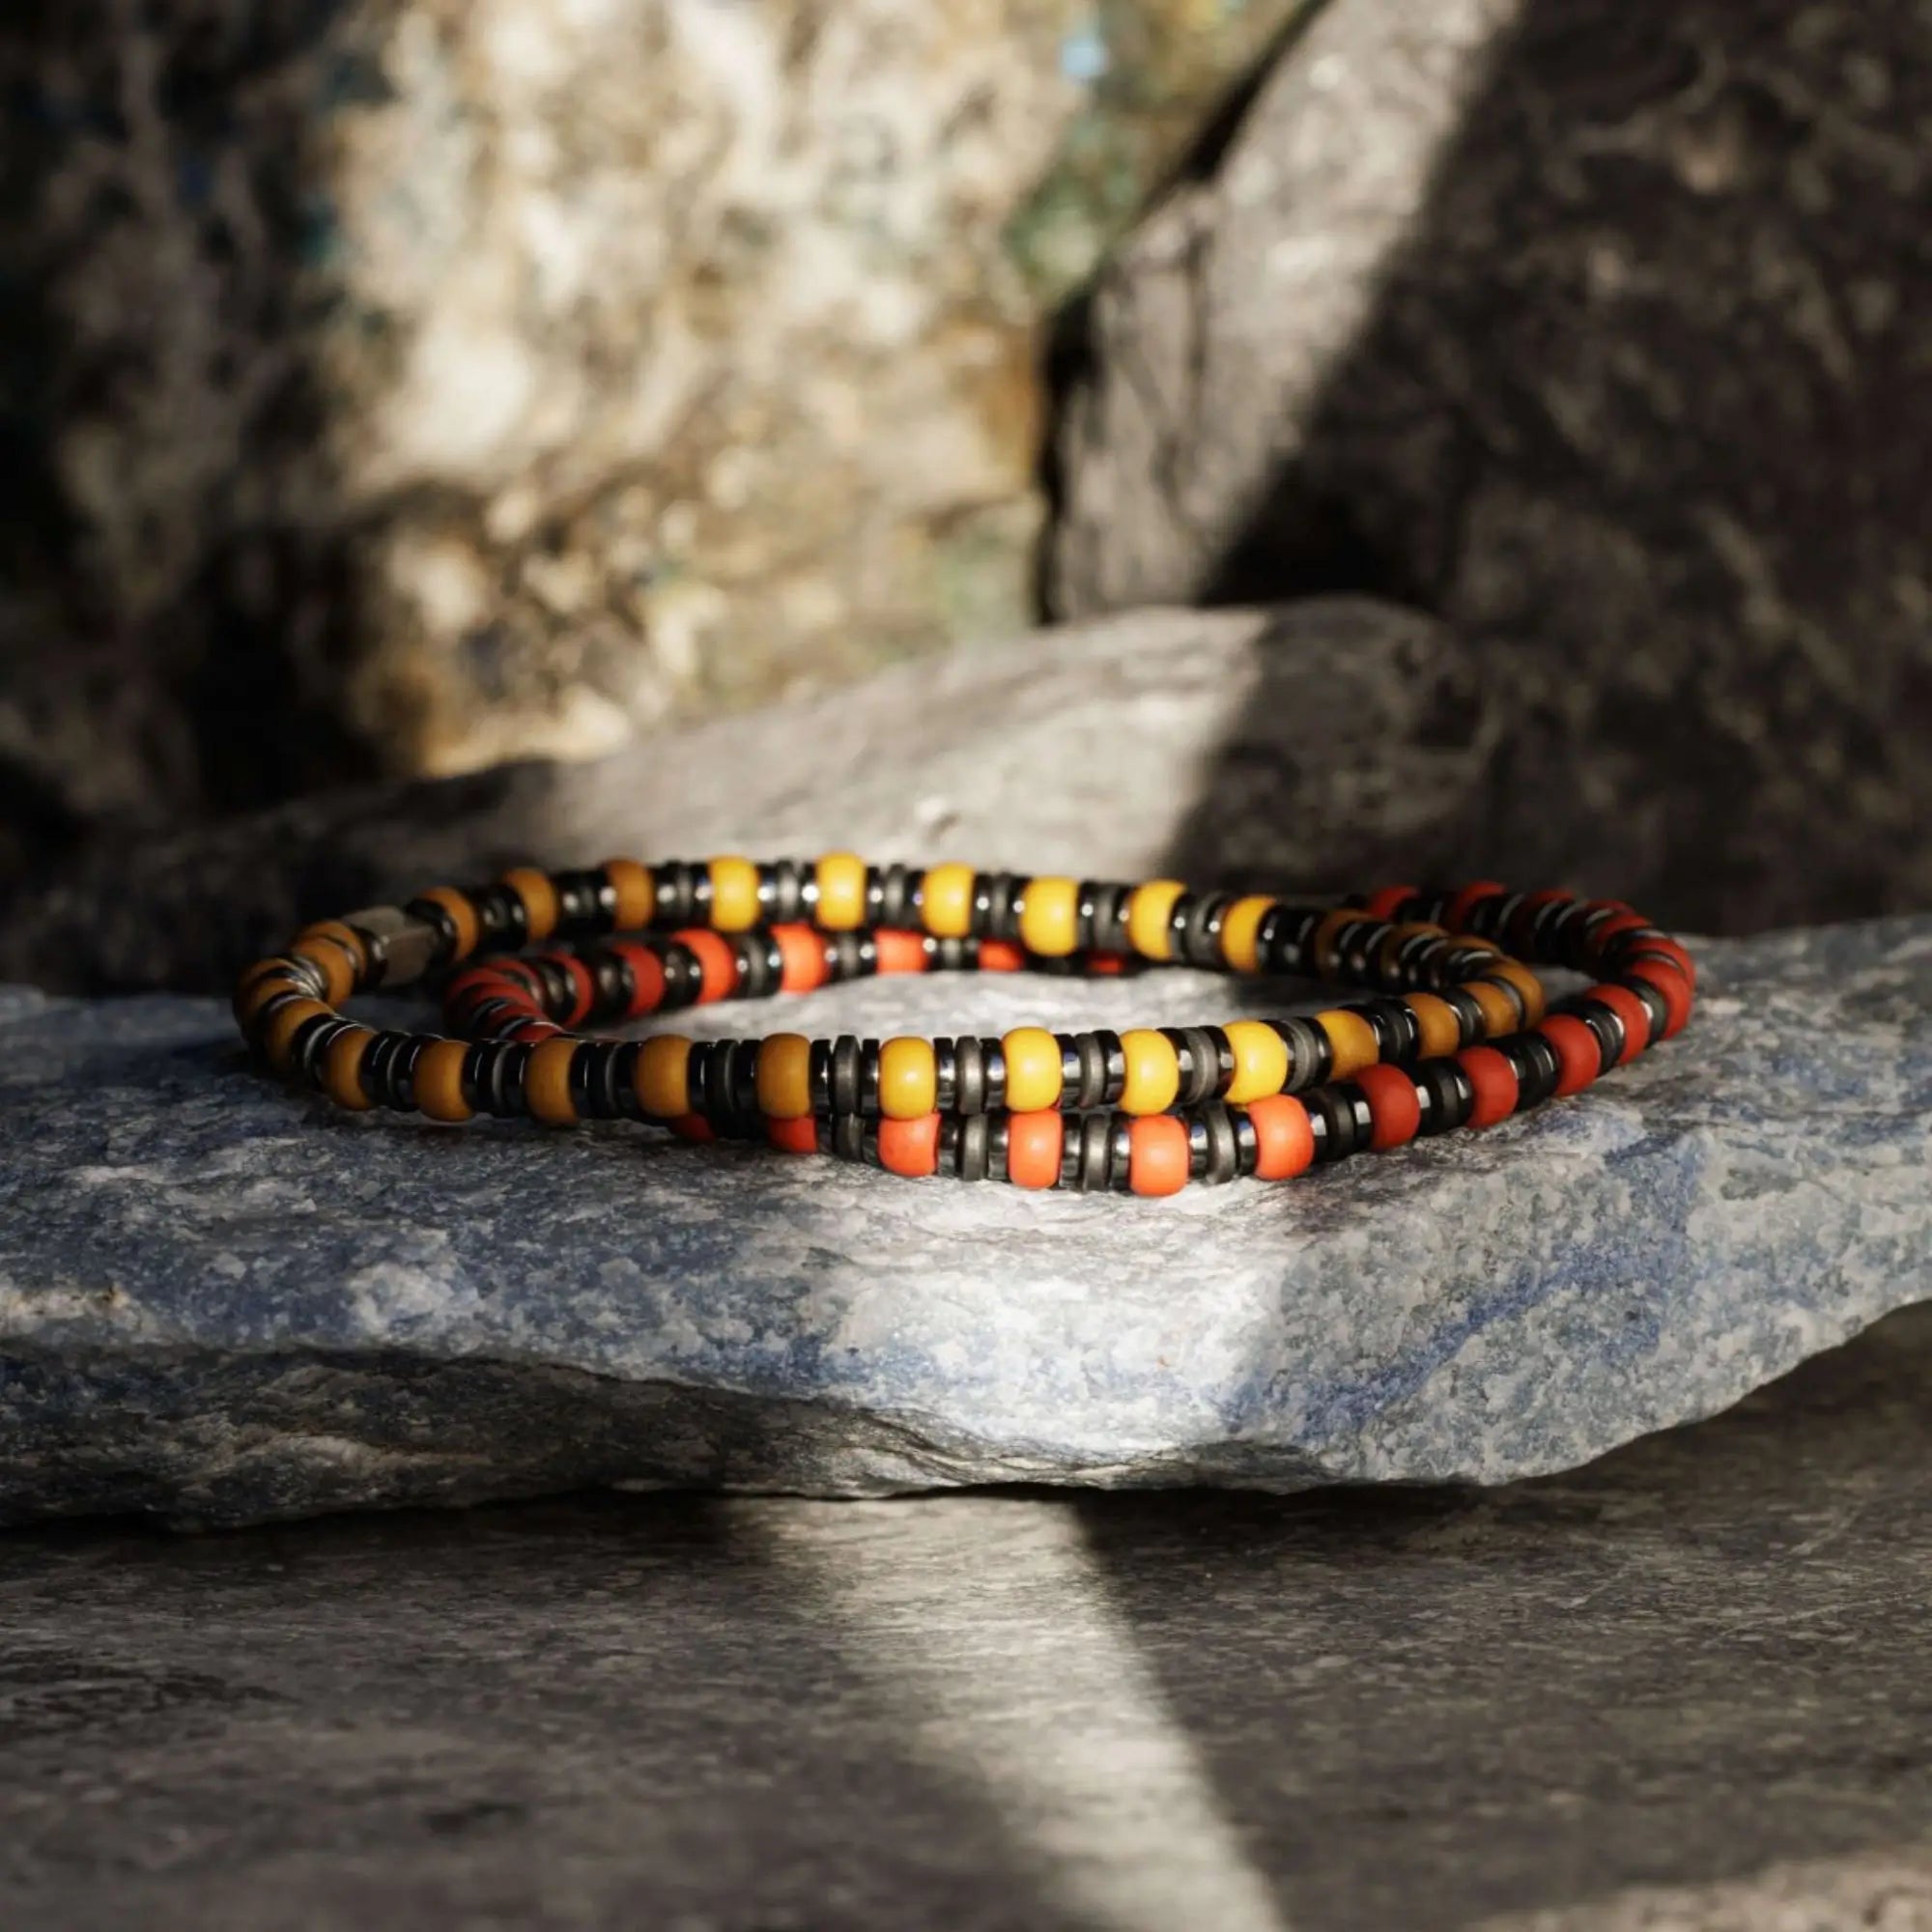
(1681, 1691)
(1320, 745)
(1589, 329)
(219, 1304)
(434, 382)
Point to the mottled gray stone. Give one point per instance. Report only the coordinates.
(1593, 330)
(1681, 1691)
(1326, 744)
(388, 380)
(219, 1303)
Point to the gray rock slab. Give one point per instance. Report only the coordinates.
(1588, 328)
(1325, 744)
(1680, 1690)
(221, 1303)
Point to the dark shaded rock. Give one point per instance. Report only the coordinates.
(217, 1303)
(1680, 1689)
(1593, 330)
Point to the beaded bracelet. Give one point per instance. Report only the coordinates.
(1457, 1032)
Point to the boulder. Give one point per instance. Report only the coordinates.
(1593, 330)
(417, 387)
(220, 1304)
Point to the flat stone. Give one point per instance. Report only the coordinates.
(1581, 326)
(1680, 1690)
(219, 1303)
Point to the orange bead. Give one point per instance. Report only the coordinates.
(546, 1082)
(1578, 1058)
(1000, 956)
(1395, 1109)
(1033, 1144)
(900, 952)
(795, 1136)
(717, 963)
(438, 1080)
(1157, 1155)
(1284, 1137)
(803, 951)
(910, 1147)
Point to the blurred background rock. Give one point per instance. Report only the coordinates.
(404, 386)
(398, 387)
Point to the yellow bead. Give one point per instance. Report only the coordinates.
(546, 1082)
(637, 893)
(945, 901)
(1050, 916)
(663, 1076)
(1260, 1060)
(1241, 933)
(1149, 909)
(342, 1069)
(841, 892)
(1351, 1041)
(1441, 1031)
(1500, 1014)
(278, 1035)
(734, 894)
(1032, 1069)
(1154, 1073)
(784, 1076)
(908, 1081)
(539, 897)
(1526, 984)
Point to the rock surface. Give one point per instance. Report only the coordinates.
(1586, 327)
(1681, 1691)
(218, 1306)
(434, 384)
(1323, 745)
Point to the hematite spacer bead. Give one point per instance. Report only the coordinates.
(843, 1074)
(586, 903)
(1348, 1123)
(1444, 1088)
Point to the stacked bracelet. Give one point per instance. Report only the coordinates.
(1454, 1032)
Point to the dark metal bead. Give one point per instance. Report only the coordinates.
(1310, 1054)
(970, 1076)
(502, 916)
(1533, 1061)
(492, 1076)
(1103, 920)
(614, 982)
(1468, 1014)
(1247, 1142)
(945, 1076)
(684, 975)
(974, 1144)
(585, 901)
(848, 1136)
(1447, 1097)
(683, 893)
(1071, 1067)
(312, 1040)
(1348, 1121)
(1223, 1161)
(994, 916)
(433, 913)
(993, 1060)
(844, 1073)
(1096, 1153)
(1197, 1146)
(868, 1076)
(818, 1075)
(1119, 1153)
(781, 891)
(998, 1139)
(891, 894)
(760, 964)
(1398, 1032)
(1654, 1004)
(846, 956)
